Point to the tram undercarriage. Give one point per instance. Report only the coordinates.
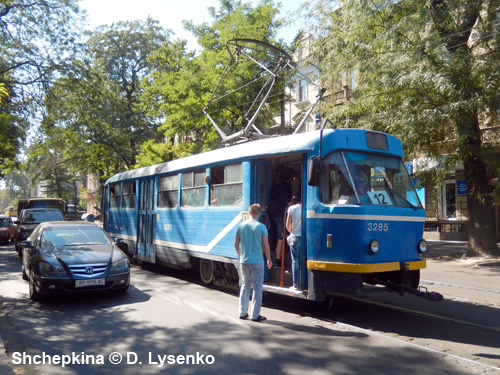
(322, 284)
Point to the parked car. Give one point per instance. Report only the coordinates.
(29, 220)
(7, 229)
(73, 257)
(74, 212)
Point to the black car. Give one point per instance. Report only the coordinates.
(29, 220)
(73, 257)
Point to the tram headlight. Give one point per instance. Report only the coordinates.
(422, 246)
(374, 246)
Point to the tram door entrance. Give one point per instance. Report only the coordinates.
(145, 234)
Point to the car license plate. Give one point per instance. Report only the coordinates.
(89, 282)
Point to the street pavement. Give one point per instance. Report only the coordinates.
(464, 283)
(470, 286)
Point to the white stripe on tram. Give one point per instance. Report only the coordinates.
(311, 214)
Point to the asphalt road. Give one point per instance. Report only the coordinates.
(165, 319)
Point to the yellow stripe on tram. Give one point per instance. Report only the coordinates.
(364, 267)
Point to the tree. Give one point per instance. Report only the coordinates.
(20, 183)
(181, 93)
(93, 110)
(37, 39)
(54, 171)
(427, 72)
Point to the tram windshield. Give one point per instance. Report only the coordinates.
(367, 179)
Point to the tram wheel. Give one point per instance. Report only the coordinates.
(206, 271)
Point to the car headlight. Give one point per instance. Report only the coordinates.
(51, 270)
(374, 246)
(120, 266)
(422, 246)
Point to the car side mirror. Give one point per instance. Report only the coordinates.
(27, 243)
(121, 244)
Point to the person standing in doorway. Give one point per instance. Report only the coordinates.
(294, 226)
(281, 193)
(253, 238)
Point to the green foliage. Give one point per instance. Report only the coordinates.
(94, 110)
(37, 40)
(182, 83)
(419, 76)
(11, 137)
(426, 72)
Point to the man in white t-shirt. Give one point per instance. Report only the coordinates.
(294, 226)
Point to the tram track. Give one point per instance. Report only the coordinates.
(432, 282)
(474, 344)
(425, 314)
(422, 347)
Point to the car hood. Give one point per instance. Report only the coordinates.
(85, 254)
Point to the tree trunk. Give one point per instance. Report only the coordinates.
(482, 238)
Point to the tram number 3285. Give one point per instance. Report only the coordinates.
(378, 227)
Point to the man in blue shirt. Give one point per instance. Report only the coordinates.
(253, 238)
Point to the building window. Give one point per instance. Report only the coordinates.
(167, 191)
(448, 199)
(226, 186)
(193, 189)
(302, 90)
(129, 195)
(352, 81)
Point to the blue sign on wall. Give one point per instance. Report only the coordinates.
(461, 187)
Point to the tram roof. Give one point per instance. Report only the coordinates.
(295, 143)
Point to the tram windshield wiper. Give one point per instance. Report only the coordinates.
(395, 192)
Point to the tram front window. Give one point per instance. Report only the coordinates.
(367, 179)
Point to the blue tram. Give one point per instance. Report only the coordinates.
(362, 219)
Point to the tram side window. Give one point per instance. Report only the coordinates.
(129, 195)
(167, 191)
(336, 187)
(193, 189)
(226, 186)
(115, 195)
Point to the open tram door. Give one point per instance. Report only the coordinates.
(288, 169)
(146, 221)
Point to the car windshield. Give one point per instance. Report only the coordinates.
(74, 235)
(4, 223)
(37, 217)
(367, 179)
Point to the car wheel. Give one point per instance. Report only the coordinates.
(123, 291)
(23, 273)
(34, 295)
